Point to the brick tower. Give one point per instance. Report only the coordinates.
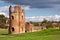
(17, 20)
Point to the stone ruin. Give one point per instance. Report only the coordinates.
(17, 22)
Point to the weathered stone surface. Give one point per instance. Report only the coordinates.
(29, 27)
(17, 20)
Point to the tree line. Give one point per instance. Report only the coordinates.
(3, 21)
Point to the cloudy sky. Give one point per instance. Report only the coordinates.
(35, 10)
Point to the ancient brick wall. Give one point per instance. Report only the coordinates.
(17, 20)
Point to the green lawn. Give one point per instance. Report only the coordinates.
(49, 34)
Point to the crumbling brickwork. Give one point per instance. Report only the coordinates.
(17, 20)
(29, 27)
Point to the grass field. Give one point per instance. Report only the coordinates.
(49, 34)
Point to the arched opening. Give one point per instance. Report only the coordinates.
(12, 17)
(13, 29)
(41, 27)
(25, 31)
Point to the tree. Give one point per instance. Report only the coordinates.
(43, 22)
(2, 21)
(47, 23)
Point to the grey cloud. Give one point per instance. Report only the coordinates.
(35, 3)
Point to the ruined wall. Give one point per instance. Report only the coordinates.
(17, 20)
(29, 27)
